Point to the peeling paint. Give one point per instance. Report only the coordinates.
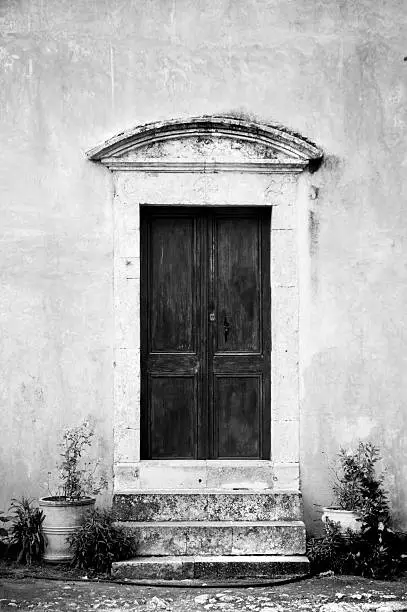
(313, 231)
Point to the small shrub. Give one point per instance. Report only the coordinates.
(326, 553)
(358, 487)
(26, 531)
(76, 470)
(98, 542)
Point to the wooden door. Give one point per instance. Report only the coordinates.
(205, 333)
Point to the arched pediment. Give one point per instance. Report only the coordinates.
(208, 143)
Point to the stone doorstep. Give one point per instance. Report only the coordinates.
(181, 474)
(209, 505)
(208, 538)
(211, 567)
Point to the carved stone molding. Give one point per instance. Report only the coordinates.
(253, 147)
(257, 167)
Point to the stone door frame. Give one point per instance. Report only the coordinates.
(209, 161)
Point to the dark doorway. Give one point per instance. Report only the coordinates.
(205, 333)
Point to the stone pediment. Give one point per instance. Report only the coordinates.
(205, 144)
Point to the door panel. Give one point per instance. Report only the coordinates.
(205, 333)
(238, 399)
(237, 284)
(172, 289)
(173, 416)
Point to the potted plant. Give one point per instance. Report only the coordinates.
(372, 549)
(65, 510)
(356, 488)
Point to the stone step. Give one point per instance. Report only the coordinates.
(205, 538)
(208, 506)
(212, 568)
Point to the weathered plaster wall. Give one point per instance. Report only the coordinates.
(74, 72)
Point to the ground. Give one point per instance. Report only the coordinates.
(319, 594)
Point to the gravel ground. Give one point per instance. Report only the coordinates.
(325, 594)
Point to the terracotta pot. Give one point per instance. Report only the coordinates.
(348, 519)
(62, 518)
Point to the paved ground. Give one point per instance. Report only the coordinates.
(327, 594)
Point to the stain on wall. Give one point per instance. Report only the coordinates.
(73, 73)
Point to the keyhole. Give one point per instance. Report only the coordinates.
(226, 328)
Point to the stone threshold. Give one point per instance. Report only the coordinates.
(205, 474)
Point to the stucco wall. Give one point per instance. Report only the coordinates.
(74, 72)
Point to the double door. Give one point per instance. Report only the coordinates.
(205, 333)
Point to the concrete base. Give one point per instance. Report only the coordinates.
(212, 567)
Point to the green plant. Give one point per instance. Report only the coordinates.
(76, 470)
(358, 487)
(98, 542)
(26, 530)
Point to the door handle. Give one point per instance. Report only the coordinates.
(226, 328)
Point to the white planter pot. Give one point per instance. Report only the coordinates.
(62, 518)
(347, 518)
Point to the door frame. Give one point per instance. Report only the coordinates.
(215, 161)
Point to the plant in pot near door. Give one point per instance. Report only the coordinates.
(65, 510)
(357, 487)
